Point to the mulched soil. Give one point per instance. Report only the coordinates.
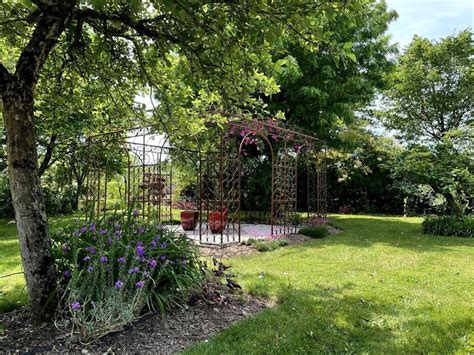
(182, 328)
(234, 250)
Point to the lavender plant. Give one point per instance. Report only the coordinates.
(115, 270)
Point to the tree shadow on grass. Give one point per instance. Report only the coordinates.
(334, 320)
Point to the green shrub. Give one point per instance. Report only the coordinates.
(449, 226)
(270, 245)
(314, 232)
(249, 241)
(112, 272)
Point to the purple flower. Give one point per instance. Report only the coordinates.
(92, 227)
(91, 250)
(103, 259)
(163, 245)
(90, 268)
(134, 270)
(67, 274)
(135, 213)
(117, 225)
(152, 263)
(121, 260)
(75, 305)
(153, 244)
(118, 284)
(163, 257)
(140, 284)
(118, 233)
(141, 230)
(103, 231)
(87, 258)
(94, 238)
(110, 241)
(184, 261)
(66, 247)
(157, 238)
(140, 250)
(83, 229)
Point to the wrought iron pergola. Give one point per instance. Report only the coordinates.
(142, 162)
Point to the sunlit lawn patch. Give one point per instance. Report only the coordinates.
(380, 286)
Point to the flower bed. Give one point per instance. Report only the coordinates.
(114, 271)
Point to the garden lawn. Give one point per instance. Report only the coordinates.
(379, 287)
(12, 288)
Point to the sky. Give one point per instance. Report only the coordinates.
(432, 19)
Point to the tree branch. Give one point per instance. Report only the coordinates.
(51, 24)
(5, 78)
(46, 163)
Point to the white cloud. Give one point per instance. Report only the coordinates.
(429, 18)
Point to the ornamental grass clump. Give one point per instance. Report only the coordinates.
(115, 271)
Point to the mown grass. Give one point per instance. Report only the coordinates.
(12, 288)
(379, 287)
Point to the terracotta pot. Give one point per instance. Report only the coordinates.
(217, 220)
(189, 220)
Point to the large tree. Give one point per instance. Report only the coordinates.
(222, 41)
(429, 102)
(322, 94)
(431, 91)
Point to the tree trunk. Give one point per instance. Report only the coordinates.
(452, 204)
(30, 213)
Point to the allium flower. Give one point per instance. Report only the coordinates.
(90, 268)
(118, 284)
(152, 263)
(75, 305)
(67, 274)
(134, 270)
(140, 250)
(103, 259)
(121, 260)
(87, 258)
(140, 284)
(102, 231)
(91, 250)
(135, 213)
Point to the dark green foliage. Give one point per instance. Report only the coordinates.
(321, 94)
(6, 203)
(314, 232)
(449, 226)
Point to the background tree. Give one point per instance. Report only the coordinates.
(431, 91)
(429, 102)
(323, 95)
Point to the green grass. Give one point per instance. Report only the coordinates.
(379, 287)
(12, 288)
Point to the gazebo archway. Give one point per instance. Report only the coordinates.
(218, 175)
